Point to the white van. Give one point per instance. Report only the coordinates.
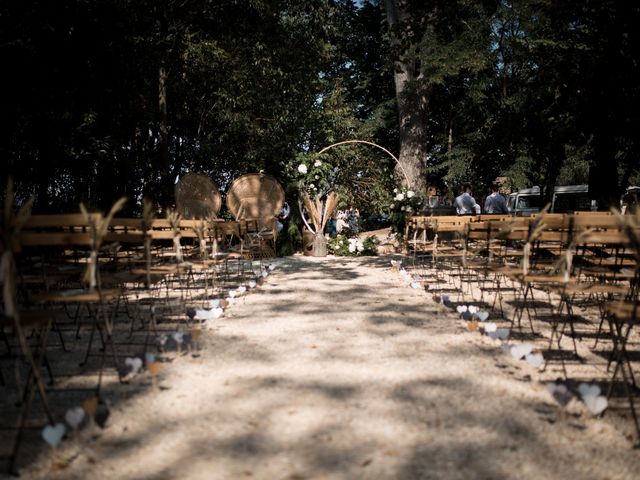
(565, 199)
(524, 202)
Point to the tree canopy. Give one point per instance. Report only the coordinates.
(118, 97)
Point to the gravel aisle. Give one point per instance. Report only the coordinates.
(334, 369)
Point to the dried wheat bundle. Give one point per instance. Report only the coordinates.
(318, 212)
(329, 208)
(534, 233)
(630, 224)
(147, 221)
(99, 228)
(201, 231)
(11, 227)
(314, 214)
(174, 222)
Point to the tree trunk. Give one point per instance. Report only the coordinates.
(163, 129)
(412, 108)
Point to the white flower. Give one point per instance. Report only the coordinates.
(312, 186)
(392, 206)
(302, 168)
(352, 247)
(317, 164)
(410, 194)
(317, 177)
(402, 208)
(409, 209)
(400, 197)
(395, 190)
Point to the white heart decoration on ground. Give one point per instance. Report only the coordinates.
(482, 316)
(520, 351)
(502, 333)
(242, 289)
(461, 308)
(415, 285)
(135, 363)
(473, 309)
(596, 404)
(535, 359)
(587, 390)
(53, 435)
(265, 274)
(74, 417)
(272, 266)
(213, 303)
(232, 293)
(252, 284)
(490, 327)
(178, 337)
(559, 392)
(205, 314)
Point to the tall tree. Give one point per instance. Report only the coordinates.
(412, 97)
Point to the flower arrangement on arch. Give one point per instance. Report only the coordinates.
(406, 202)
(313, 173)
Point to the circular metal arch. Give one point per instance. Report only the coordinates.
(373, 145)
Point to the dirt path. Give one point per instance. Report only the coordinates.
(335, 369)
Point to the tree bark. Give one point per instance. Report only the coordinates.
(412, 108)
(163, 128)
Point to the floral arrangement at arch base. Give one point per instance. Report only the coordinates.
(405, 203)
(341, 245)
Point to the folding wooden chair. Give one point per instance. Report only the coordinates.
(18, 322)
(623, 317)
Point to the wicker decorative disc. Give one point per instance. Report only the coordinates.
(197, 197)
(255, 195)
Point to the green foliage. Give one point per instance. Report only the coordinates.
(542, 92)
(314, 174)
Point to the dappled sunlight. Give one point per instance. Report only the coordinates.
(343, 372)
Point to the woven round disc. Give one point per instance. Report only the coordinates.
(197, 197)
(255, 195)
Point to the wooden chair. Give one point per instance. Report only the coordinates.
(15, 320)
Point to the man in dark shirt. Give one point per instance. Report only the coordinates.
(495, 203)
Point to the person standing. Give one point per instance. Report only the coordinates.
(465, 204)
(495, 203)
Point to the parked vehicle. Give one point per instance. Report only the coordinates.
(565, 199)
(630, 200)
(571, 198)
(524, 202)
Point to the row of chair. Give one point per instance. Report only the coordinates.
(588, 258)
(62, 272)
